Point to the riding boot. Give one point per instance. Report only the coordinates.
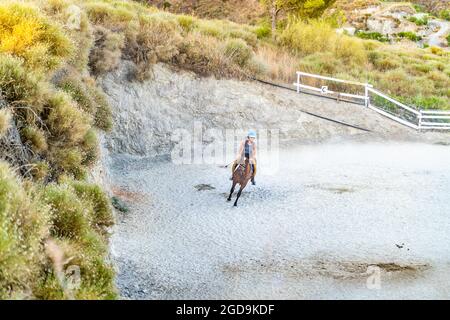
(253, 174)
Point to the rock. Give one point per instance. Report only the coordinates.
(347, 30)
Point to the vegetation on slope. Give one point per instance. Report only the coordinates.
(50, 109)
(249, 11)
(419, 77)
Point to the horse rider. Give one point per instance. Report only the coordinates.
(247, 149)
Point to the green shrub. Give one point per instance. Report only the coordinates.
(73, 85)
(418, 7)
(68, 160)
(17, 85)
(308, 38)
(187, 23)
(349, 49)
(238, 51)
(80, 213)
(263, 31)
(445, 14)
(211, 28)
(372, 36)
(24, 224)
(422, 68)
(119, 205)
(427, 102)
(106, 14)
(101, 215)
(409, 35)
(65, 121)
(90, 148)
(386, 63)
(103, 114)
(419, 21)
(88, 96)
(35, 138)
(70, 215)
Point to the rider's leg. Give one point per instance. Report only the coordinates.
(254, 172)
(233, 168)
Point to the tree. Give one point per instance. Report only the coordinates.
(305, 8)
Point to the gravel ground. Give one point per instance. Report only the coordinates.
(309, 231)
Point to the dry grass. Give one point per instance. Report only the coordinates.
(280, 65)
(5, 121)
(239, 11)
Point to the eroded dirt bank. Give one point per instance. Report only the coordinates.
(147, 114)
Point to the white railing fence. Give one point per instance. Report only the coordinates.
(381, 103)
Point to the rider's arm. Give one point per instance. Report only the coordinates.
(254, 151)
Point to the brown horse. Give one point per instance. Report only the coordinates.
(241, 175)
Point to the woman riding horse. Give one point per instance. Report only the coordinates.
(247, 150)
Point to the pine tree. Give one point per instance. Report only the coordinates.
(304, 8)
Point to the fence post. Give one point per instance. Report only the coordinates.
(420, 119)
(366, 93)
(298, 82)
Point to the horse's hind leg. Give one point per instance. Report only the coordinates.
(231, 191)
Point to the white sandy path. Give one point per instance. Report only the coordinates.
(308, 232)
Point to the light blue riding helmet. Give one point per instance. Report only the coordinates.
(251, 134)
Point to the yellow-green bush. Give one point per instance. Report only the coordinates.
(90, 148)
(80, 215)
(67, 160)
(101, 215)
(88, 96)
(309, 37)
(18, 86)
(55, 113)
(238, 51)
(187, 23)
(66, 122)
(24, 224)
(316, 36)
(35, 138)
(25, 33)
(70, 216)
(107, 14)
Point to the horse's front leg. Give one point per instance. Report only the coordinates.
(231, 191)
(239, 194)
